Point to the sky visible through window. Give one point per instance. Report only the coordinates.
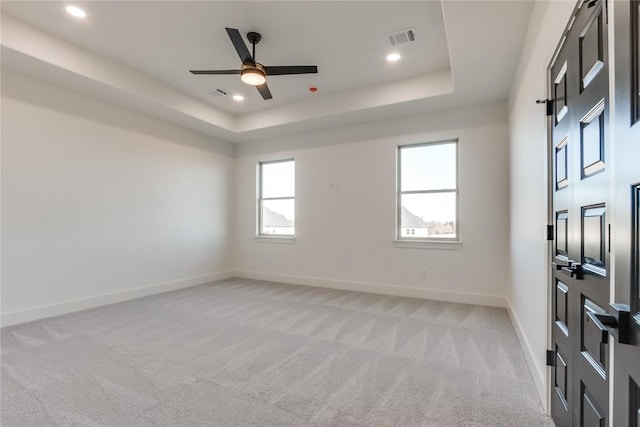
(278, 180)
(429, 167)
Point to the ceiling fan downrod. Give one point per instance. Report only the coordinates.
(254, 38)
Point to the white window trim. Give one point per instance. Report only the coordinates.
(275, 238)
(271, 238)
(429, 242)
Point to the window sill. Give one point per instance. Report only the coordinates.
(275, 239)
(428, 244)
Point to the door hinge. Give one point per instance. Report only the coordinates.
(551, 358)
(548, 103)
(550, 234)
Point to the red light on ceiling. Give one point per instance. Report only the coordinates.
(313, 89)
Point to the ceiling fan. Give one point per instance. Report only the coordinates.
(252, 72)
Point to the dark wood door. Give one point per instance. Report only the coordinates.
(626, 387)
(580, 150)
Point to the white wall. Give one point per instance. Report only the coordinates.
(101, 204)
(345, 236)
(527, 127)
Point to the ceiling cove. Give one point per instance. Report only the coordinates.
(138, 54)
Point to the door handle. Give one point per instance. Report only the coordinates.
(599, 320)
(615, 324)
(574, 270)
(559, 263)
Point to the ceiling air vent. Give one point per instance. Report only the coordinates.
(216, 93)
(401, 37)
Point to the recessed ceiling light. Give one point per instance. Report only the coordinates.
(238, 98)
(76, 11)
(393, 57)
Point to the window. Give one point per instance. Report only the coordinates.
(276, 198)
(428, 191)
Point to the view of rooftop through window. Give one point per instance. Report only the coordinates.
(427, 194)
(277, 202)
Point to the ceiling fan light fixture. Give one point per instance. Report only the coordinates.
(253, 76)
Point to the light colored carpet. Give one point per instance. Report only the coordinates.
(250, 353)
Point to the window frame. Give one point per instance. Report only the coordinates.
(437, 240)
(261, 199)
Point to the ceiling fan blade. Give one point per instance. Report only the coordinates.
(291, 69)
(238, 43)
(264, 91)
(214, 71)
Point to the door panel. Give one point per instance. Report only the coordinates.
(561, 165)
(594, 337)
(579, 146)
(590, 414)
(626, 394)
(594, 254)
(634, 407)
(560, 91)
(562, 308)
(561, 378)
(592, 141)
(562, 236)
(585, 326)
(591, 49)
(563, 323)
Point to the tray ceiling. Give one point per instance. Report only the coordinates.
(162, 40)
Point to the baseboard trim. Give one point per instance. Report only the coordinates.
(376, 288)
(44, 311)
(538, 372)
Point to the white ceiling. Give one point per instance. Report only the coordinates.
(138, 54)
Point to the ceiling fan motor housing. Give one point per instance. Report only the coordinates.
(250, 66)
